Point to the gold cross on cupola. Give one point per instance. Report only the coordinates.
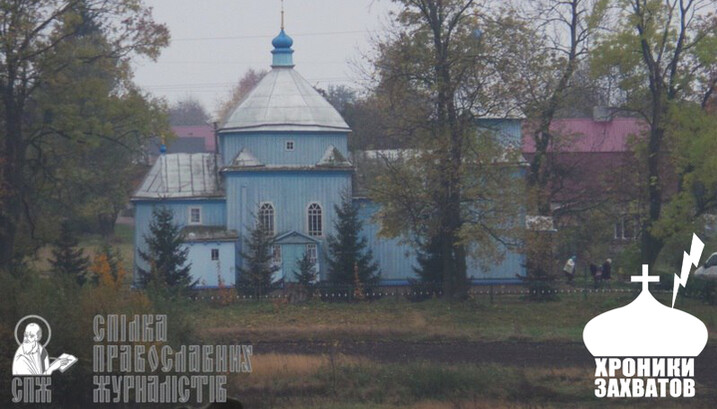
(645, 278)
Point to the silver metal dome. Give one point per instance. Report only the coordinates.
(284, 101)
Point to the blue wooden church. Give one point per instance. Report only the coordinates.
(282, 157)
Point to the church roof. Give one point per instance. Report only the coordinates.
(284, 101)
(294, 237)
(181, 175)
(208, 233)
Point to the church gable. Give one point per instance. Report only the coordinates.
(333, 158)
(246, 159)
(294, 237)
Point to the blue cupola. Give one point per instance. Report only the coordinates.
(282, 50)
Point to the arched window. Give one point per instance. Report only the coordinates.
(315, 222)
(266, 217)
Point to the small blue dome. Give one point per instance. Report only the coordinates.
(282, 41)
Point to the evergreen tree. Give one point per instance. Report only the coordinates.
(113, 258)
(166, 257)
(429, 263)
(347, 249)
(259, 266)
(67, 258)
(305, 272)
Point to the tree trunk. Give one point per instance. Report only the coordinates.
(651, 245)
(106, 224)
(11, 179)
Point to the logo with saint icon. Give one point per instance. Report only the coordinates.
(33, 334)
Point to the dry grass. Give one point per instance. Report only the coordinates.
(271, 368)
(434, 404)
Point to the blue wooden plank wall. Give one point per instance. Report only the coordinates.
(397, 260)
(213, 214)
(290, 193)
(269, 148)
(206, 270)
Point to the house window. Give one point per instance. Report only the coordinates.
(276, 254)
(215, 254)
(266, 217)
(626, 228)
(195, 215)
(314, 219)
(289, 145)
(311, 252)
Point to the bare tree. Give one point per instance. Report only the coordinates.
(246, 83)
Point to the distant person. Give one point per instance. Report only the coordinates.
(569, 269)
(595, 272)
(607, 271)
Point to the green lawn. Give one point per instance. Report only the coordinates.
(508, 317)
(123, 241)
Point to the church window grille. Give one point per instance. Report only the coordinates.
(195, 215)
(266, 217)
(315, 221)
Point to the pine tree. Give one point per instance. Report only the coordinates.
(429, 271)
(68, 259)
(429, 263)
(305, 272)
(165, 254)
(347, 249)
(259, 266)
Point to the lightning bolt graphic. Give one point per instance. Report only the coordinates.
(688, 259)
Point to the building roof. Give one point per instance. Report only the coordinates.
(186, 145)
(284, 101)
(208, 233)
(181, 175)
(294, 237)
(588, 135)
(206, 132)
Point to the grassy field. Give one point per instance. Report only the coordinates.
(340, 377)
(508, 318)
(123, 241)
(300, 381)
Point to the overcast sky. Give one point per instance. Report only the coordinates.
(215, 41)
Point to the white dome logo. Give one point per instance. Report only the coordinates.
(646, 349)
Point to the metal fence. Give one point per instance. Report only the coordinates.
(349, 293)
